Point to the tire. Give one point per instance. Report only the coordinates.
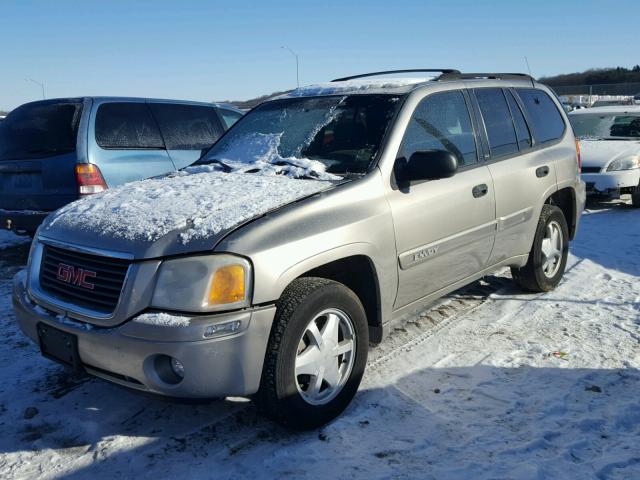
(635, 197)
(537, 275)
(290, 399)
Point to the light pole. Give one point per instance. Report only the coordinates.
(37, 83)
(297, 65)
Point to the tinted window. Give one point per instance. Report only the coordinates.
(342, 132)
(522, 131)
(441, 122)
(187, 127)
(546, 121)
(497, 121)
(229, 117)
(127, 125)
(38, 130)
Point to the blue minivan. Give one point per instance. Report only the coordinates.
(53, 152)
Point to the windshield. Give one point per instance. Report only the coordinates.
(606, 127)
(38, 130)
(319, 137)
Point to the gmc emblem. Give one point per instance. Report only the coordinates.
(75, 276)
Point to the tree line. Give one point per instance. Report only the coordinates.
(595, 76)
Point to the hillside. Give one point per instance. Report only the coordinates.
(595, 76)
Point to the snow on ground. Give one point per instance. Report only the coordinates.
(509, 386)
(203, 203)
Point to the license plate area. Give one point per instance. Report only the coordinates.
(59, 346)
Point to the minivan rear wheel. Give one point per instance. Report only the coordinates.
(548, 256)
(316, 354)
(635, 197)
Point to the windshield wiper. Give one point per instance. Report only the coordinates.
(226, 168)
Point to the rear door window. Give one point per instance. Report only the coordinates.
(497, 121)
(40, 129)
(522, 130)
(441, 122)
(187, 127)
(229, 117)
(546, 121)
(126, 125)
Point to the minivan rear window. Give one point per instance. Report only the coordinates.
(187, 127)
(125, 125)
(40, 130)
(546, 121)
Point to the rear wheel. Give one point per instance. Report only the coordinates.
(548, 256)
(316, 355)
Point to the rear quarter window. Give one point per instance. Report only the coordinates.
(546, 121)
(127, 126)
(229, 117)
(187, 127)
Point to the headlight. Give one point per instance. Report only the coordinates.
(628, 163)
(203, 284)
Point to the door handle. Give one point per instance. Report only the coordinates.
(480, 190)
(542, 171)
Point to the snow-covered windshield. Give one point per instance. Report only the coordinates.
(606, 126)
(318, 137)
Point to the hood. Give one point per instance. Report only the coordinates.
(598, 153)
(180, 213)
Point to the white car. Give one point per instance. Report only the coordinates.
(610, 150)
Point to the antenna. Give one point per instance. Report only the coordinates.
(526, 60)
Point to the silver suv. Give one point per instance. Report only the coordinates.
(313, 225)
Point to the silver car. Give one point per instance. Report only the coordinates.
(313, 225)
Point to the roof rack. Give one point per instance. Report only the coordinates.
(442, 71)
(471, 76)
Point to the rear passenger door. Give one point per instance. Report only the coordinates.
(188, 130)
(125, 142)
(521, 168)
(444, 228)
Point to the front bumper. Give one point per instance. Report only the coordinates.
(21, 221)
(609, 184)
(217, 367)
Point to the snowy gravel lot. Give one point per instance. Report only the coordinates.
(490, 383)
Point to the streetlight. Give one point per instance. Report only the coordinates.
(37, 83)
(297, 64)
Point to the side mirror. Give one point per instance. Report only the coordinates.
(430, 165)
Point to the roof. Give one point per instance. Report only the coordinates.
(137, 99)
(609, 109)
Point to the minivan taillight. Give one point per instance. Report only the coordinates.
(578, 156)
(89, 179)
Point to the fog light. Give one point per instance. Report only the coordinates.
(220, 329)
(177, 368)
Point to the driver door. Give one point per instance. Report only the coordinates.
(445, 228)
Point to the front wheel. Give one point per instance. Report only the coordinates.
(316, 354)
(548, 256)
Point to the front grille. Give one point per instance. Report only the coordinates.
(590, 169)
(63, 275)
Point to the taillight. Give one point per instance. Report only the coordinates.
(89, 179)
(578, 156)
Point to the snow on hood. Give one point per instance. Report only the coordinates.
(200, 203)
(259, 154)
(598, 153)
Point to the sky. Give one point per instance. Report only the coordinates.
(232, 50)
